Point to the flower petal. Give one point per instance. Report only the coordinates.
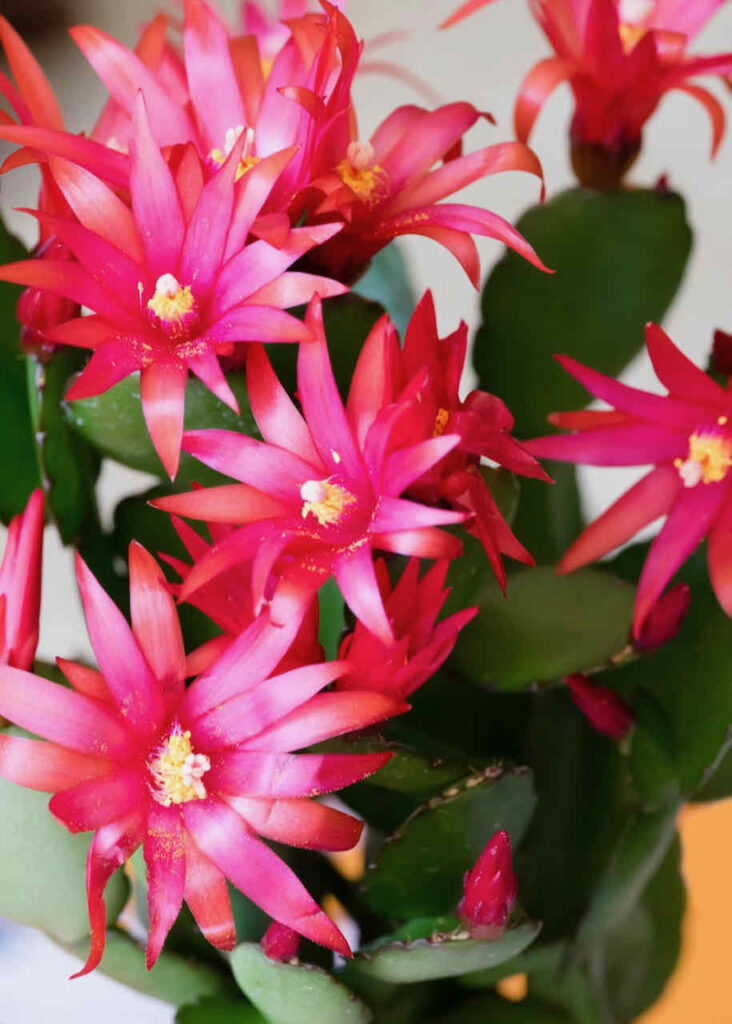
(164, 850)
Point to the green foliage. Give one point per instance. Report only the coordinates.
(18, 468)
(388, 282)
(445, 837)
(43, 869)
(113, 424)
(548, 627)
(440, 954)
(294, 994)
(218, 1011)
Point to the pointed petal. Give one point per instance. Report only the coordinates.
(534, 91)
(356, 578)
(428, 542)
(165, 860)
(84, 679)
(299, 822)
(253, 868)
(110, 363)
(277, 417)
(207, 368)
(207, 895)
(269, 468)
(106, 163)
(256, 323)
(210, 73)
(406, 465)
(247, 773)
(163, 396)
(155, 620)
(49, 767)
(677, 373)
(396, 515)
(94, 803)
(32, 83)
(638, 444)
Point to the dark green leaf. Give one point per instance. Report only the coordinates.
(173, 979)
(442, 955)
(113, 423)
(68, 466)
(18, 467)
(388, 282)
(218, 1011)
(331, 607)
(548, 627)
(549, 516)
(641, 950)
(444, 838)
(652, 762)
(43, 869)
(294, 994)
(491, 1009)
(718, 783)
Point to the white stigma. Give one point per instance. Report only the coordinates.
(634, 12)
(360, 155)
(313, 491)
(691, 472)
(167, 285)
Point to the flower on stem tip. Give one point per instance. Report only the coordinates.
(20, 585)
(686, 436)
(320, 492)
(193, 775)
(620, 58)
(489, 890)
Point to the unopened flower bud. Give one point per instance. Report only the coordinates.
(722, 352)
(489, 890)
(38, 310)
(664, 620)
(280, 942)
(602, 708)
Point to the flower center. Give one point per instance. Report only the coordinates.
(358, 170)
(633, 15)
(440, 422)
(173, 307)
(709, 459)
(325, 500)
(177, 772)
(219, 156)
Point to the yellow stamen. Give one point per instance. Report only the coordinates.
(440, 422)
(172, 304)
(358, 170)
(219, 156)
(630, 35)
(177, 772)
(324, 500)
(709, 460)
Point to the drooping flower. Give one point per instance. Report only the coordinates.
(195, 776)
(686, 436)
(602, 707)
(620, 58)
(20, 585)
(481, 421)
(489, 892)
(421, 643)
(319, 493)
(171, 281)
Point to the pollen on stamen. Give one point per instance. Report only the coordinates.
(217, 157)
(364, 177)
(176, 771)
(324, 500)
(709, 459)
(173, 307)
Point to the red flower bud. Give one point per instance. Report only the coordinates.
(722, 352)
(664, 620)
(280, 942)
(489, 890)
(602, 708)
(38, 309)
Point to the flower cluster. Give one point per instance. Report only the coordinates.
(620, 58)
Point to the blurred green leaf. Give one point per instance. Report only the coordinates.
(218, 1011)
(113, 423)
(330, 601)
(419, 871)
(43, 869)
(388, 282)
(718, 783)
(294, 994)
(652, 761)
(68, 466)
(441, 955)
(173, 979)
(18, 467)
(547, 627)
(492, 1009)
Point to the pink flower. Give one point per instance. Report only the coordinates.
(20, 585)
(481, 422)
(171, 281)
(664, 620)
(280, 942)
(686, 435)
(319, 493)
(421, 643)
(602, 707)
(489, 890)
(620, 58)
(195, 776)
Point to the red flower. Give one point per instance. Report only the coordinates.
(620, 58)
(171, 281)
(489, 890)
(664, 620)
(421, 643)
(686, 436)
(20, 585)
(193, 775)
(602, 708)
(481, 422)
(280, 942)
(319, 493)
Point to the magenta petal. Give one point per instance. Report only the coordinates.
(270, 469)
(256, 323)
(691, 517)
(210, 72)
(355, 575)
(248, 773)
(635, 444)
(126, 672)
(394, 515)
(429, 542)
(166, 871)
(46, 766)
(258, 872)
(97, 802)
(163, 396)
(406, 465)
(719, 559)
(110, 363)
(207, 368)
(207, 895)
(155, 620)
(278, 419)
(677, 373)
(299, 822)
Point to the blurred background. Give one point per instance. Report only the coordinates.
(482, 60)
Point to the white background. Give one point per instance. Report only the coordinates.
(483, 60)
